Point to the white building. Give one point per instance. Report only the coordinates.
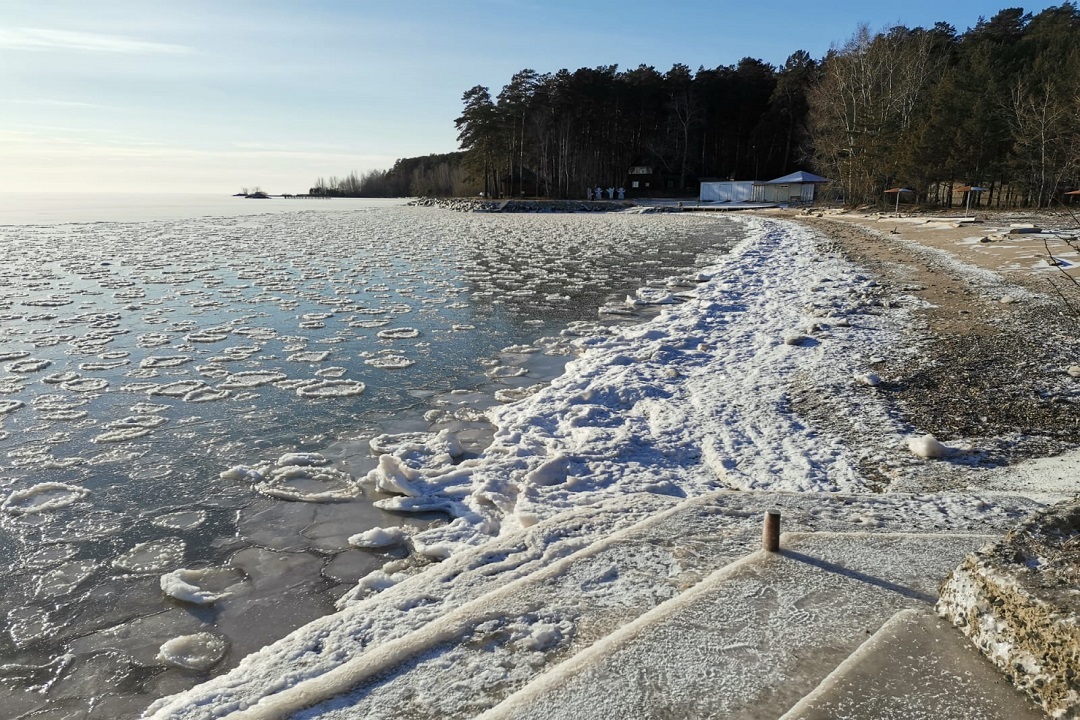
(797, 187)
(726, 191)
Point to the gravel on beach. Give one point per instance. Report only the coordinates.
(992, 366)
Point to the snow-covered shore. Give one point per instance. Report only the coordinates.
(705, 397)
(698, 399)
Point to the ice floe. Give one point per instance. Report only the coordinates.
(403, 333)
(181, 519)
(152, 556)
(331, 389)
(307, 483)
(43, 497)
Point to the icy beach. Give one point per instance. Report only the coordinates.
(755, 389)
(478, 523)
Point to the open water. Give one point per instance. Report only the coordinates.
(189, 388)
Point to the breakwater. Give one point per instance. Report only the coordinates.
(523, 206)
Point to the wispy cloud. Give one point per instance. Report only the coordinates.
(16, 142)
(300, 146)
(53, 103)
(44, 39)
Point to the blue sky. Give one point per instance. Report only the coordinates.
(200, 96)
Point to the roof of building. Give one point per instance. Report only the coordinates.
(800, 176)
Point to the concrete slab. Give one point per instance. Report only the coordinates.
(753, 639)
(566, 583)
(916, 667)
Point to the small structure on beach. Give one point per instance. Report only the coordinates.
(798, 187)
(726, 191)
(898, 191)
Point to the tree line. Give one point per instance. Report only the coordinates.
(995, 107)
(929, 109)
(431, 175)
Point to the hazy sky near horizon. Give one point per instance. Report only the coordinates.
(209, 96)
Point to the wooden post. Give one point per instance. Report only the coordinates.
(770, 537)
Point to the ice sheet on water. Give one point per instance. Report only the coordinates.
(302, 459)
(10, 406)
(50, 555)
(85, 385)
(86, 526)
(165, 361)
(309, 356)
(103, 366)
(390, 362)
(27, 366)
(252, 379)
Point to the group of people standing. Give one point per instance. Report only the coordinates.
(598, 193)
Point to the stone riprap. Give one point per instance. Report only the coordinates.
(1017, 601)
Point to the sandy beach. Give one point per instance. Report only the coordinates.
(995, 340)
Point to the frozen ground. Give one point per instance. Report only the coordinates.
(706, 397)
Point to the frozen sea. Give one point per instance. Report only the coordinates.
(191, 388)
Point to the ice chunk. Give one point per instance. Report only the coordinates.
(199, 587)
(928, 447)
(242, 472)
(393, 476)
(199, 652)
(868, 380)
(415, 504)
(380, 537)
